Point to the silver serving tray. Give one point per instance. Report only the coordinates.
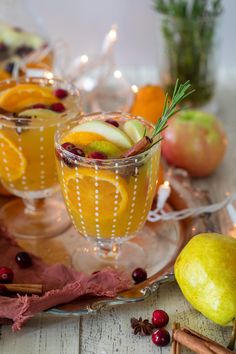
(183, 195)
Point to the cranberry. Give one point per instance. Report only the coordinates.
(23, 50)
(23, 260)
(77, 151)
(59, 154)
(58, 107)
(61, 93)
(139, 275)
(6, 275)
(68, 146)
(97, 155)
(68, 162)
(113, 122)
(39, 105)
(161, 337)
(10, 67)
(160, 318)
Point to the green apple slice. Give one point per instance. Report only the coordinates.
(108, 131)
(105, 146)
(39, 113)
(134, 129)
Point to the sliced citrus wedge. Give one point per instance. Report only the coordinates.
(24, 95)
(103, 184)
(81, 138)
(13, 164)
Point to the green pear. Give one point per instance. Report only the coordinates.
(206, 273)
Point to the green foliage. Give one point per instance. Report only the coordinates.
(189, 32)
(189, 9)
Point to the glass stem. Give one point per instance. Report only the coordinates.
(34, 206)
(108, 249)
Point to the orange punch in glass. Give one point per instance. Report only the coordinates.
(108, 195)
(30, 112)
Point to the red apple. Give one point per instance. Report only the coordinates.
(194, 141)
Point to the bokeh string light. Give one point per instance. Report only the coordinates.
(164, 191)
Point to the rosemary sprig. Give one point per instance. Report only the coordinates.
(169, 109)
(171, 106)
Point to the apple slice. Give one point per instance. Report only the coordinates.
(134, 129)
(39, 113)
(105, 146)
(108, 131)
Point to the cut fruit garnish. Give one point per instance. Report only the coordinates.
(24, 95)
(13, 163)
(134, 129)
(107, 187)
(108, 131)
(81, 138)
(38, 113)
(106, 147)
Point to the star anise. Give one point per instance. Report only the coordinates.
(143, 327)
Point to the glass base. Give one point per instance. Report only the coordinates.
(49, 219)
(88, 257)
(151, 249)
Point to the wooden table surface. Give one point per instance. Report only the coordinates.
(109, 332)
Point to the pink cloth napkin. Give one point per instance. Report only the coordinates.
(62, 284)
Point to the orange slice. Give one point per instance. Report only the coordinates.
(24, 95)
(105, 185)
(12, 163)
(81, 138)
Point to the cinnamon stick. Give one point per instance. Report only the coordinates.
(198, 343)
(139, 147)
(175, 346)
(24, 288)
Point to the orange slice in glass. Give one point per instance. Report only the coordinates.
(88, 184)
(24, 95)
(81, 138)
(12, 163)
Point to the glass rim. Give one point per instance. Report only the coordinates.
(125, 161)
(49, 82)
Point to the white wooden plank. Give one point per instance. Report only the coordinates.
(110, 331)
(42, 335)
